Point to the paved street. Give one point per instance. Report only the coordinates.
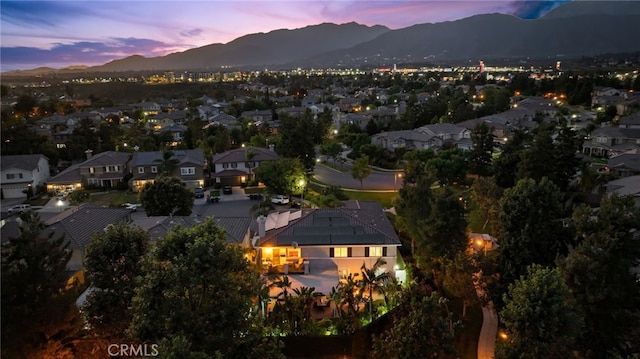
(377, 179)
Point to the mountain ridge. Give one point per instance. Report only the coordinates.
(577, 28)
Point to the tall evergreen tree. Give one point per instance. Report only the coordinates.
(480, 157)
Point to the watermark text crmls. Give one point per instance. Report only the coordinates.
(129, 350)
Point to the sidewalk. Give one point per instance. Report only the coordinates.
(489, 331)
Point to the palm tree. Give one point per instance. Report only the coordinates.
(167, 164)
(373, 280)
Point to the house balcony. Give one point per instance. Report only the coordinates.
(296, 265)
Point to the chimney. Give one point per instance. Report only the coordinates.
(271, 146)
(261, 226)
(88, 153)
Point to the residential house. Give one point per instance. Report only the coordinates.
(334, 241)
(150, 108)
(408, 139)
(293, 111)
(625, 164)
(630, 121)
(176, 131)
(19, 172)
(349, 104)
(106, 170)
(78, 226)
(448, 133)
(236, 166)
(237, 229)
(190, 168)
(257, 115)
(609, 141)
(627, 186)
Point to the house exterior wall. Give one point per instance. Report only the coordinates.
(16, 180)
(350, 264)
(148, 173)
(77, 259)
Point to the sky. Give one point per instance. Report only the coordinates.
(68, 33)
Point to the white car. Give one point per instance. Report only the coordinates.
(280, 199)
(19, 209)
(131, 206)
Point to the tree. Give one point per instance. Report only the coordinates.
(197, 286)
(167, 164)
(422, 328)
(78, 196)
(415, 164)
(597, 273)
(486, 195)
(297, 139)
(112, 263)
(531, 227)
(35, 304)
(482, 149)
(457, 280)
(166, 196)
(449, 166)
(443, 230)
(281, 176)
(361, 169)
(540, 319)
(331, 149)
(505, 166)
(412, 205)
(373, 280)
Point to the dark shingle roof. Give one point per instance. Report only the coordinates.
(235, 227)
(240, 155)
(78, 225)
(357, 223)
(25, 162)
(626, 160)
(152, 158)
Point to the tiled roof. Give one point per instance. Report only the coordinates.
(69, 174)
(152, 158)
(235, 227)
(625, 160)
(25, 162)
(78, 225)
(240, 155)
(633, 119)
(107, 158)
(357, 223)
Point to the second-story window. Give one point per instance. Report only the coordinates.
(187, 171)
(11, 175)
(92, 170)
(375, 252)
(234, 164)
(225, 165)
(340, 252)
(140, 169)
(154, 169)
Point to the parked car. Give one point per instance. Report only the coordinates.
(131, 206)
(280, 199)
(227, 189)
(19, 209)
(198, 192)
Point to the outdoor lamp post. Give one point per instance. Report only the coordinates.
(395, 179)
(302, 183)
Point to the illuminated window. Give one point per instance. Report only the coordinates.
(340, 252)
(375, 251)
(187, 171)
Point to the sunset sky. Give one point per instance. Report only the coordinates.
(64, 33)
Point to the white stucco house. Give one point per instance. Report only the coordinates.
(19, 172)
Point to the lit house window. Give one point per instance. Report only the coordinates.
(187, 171)
(375, 251)
(340, 252)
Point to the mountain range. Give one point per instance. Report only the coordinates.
(578, 28)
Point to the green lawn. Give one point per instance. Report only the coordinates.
(384, 198)
(113, 198)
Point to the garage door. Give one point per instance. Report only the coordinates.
(13, 191)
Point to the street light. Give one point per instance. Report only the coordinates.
(302, 183)
(395, 179)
